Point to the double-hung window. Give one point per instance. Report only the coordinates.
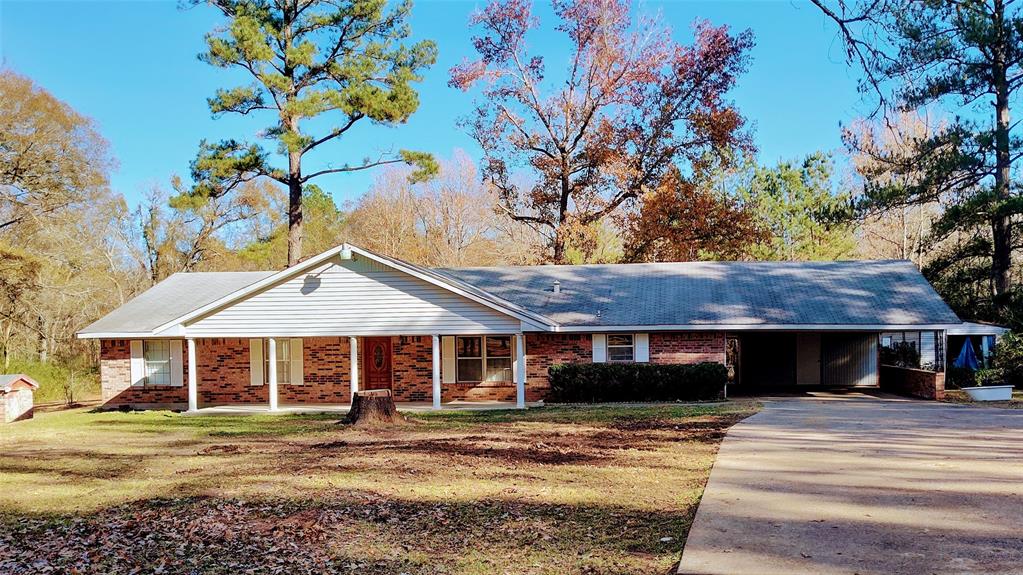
(283, 361)
(498, 359)
(621, 347)
(482, 358)
(156, 355)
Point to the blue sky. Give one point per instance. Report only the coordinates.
(132, 67)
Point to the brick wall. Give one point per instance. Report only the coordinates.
(546, 349)
(223, 369)
(687, 347)
(224, 378)
(16, 405)
(912, 382)
(223, 375)
(412, 365)
(326, 366)
(115, 379)
(412, 368)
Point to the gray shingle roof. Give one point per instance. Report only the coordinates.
(171, 299)
(453, 281)
(697, 294)
(726, 293)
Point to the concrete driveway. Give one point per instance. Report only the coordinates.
(856, 484)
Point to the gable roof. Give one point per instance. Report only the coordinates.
(8, 381)
(737, 295)
(868, 295)
(185, 296)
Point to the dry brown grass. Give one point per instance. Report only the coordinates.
(569, 490)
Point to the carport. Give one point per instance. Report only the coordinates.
(982, 337)
(766, 360)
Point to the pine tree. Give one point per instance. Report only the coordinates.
(309, 59)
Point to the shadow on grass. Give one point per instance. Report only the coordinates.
(215, 425)
(596, 414)
(242, 447)
(312, 504)
(347, 531)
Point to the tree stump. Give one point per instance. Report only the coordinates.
(374, 407)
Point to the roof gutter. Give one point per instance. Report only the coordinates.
(753, 327)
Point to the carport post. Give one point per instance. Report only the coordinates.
(193, 393)
(436, 372)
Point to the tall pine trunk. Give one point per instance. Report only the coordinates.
(294, 208)
(290, 122)
(1001, 224)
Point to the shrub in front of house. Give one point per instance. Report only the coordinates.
(624, 382)
(1008, 359)
(900, 354)
(959, 377)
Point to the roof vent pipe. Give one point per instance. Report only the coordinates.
(557, 286)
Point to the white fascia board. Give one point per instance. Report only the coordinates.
(752, 327)
(114, 335)
(177, 330)
(971, 328)
(348, 332)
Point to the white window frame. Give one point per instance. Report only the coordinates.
(510, 370)
(484, 359)
(166, 364)
(283, 362)
(631, 347)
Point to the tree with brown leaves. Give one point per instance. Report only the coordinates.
(683, 221)
(632, 106)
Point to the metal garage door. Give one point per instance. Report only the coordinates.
(849, 359)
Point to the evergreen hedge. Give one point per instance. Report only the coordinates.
(624, 382)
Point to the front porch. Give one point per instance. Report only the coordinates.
(315, 373)
(413, 367)
(341, 410)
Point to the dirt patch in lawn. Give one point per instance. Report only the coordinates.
(599, 491)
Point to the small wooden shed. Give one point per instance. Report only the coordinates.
(16, 391)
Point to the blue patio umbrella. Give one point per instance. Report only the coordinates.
(967, 358)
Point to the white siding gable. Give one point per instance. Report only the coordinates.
(352, 297)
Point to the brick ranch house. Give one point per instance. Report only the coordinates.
(349, 319)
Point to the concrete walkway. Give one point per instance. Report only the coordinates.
(857, 484)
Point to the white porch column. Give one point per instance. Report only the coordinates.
(271, 371)
(520, 371)
(193, 392)
(353, 346)
(436, 372)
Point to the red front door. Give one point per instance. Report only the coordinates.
(376, 363)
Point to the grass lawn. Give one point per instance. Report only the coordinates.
(554, 490)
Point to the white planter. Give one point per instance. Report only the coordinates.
(989, 393)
